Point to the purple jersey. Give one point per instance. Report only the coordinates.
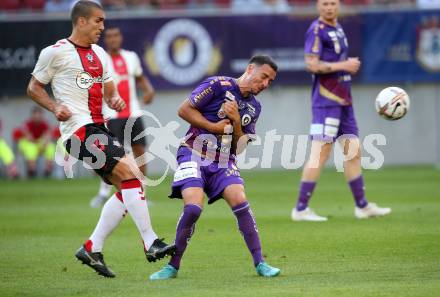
(209, 98)
(330, 44)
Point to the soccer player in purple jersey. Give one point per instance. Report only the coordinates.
(222, 112)
(326, 56)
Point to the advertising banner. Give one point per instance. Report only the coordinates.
(401, 47)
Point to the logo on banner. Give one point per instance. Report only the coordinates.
(428, 44)
(183, 52)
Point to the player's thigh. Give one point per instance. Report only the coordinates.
(234, 195)
(348, 125)
(125, 169)
(351, 146)
(138, 150)
(193, 195)
(320, 151)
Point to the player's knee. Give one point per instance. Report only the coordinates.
(193, 210)
(124, 170)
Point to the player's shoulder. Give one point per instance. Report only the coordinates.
(129, 54)
(257, 105)
(316, 27)
(99, 50)
(56, 49)
(223, 82)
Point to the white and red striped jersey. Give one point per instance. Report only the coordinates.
(126, 67)
(77, 75)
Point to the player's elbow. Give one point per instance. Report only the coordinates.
(181, 112)
(30, 90)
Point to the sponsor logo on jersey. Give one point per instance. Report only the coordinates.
(202, 94)
(85, 81)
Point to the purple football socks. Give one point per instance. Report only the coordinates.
(184, 231)
(248, 228)
(358, 190)
(305, 192)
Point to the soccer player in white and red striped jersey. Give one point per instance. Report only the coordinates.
(128, 76)
(78, 71)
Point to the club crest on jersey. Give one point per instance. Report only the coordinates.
(229, 96)
(85, 81)
(221, 112)
(89, 57)
(245, 120)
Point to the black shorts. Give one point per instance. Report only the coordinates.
(97, 147)
(117, 127)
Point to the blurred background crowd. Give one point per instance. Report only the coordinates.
(278, 5)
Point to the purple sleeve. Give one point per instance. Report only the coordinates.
(203, 94)
(250, 129)
(313, 44)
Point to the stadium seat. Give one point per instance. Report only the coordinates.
(10, 4)
(34, 4)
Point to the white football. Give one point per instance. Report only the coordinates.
(392, 103)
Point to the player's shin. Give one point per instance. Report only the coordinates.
(305, 193)
(358, 191)
(111, 215)
(184, 231)
(248, 228)
(136, 204)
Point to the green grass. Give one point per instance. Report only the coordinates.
(43, 222)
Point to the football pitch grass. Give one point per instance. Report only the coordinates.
(43, 222)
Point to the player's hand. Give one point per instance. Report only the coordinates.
(221, 127)
(148, 98)
(61, 112)
(116, 103)
(353, 65)
(231, 110)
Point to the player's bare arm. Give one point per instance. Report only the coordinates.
(112, 98)
(190, 114)
(36, 91)
(146, 87)
(317, 66)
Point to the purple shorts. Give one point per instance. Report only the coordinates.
(330, 122)
(193, 172)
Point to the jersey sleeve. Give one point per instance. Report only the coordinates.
(203, 94)
(250, 129)
(45, 68)
(107, 69)
(137, 65)
(313, 44)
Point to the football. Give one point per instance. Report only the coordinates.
(392, 103)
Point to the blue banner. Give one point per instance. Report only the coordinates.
(180, 52)
(401, 47)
